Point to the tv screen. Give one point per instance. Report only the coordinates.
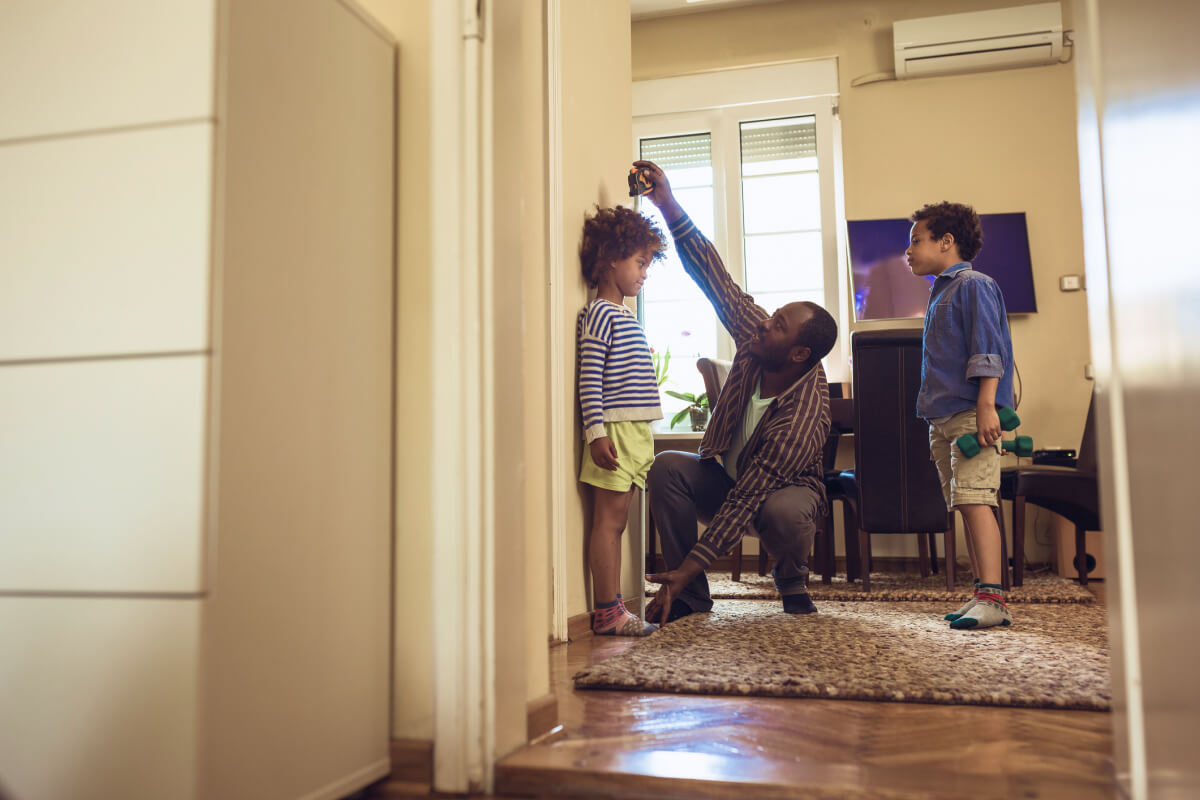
(884, 288)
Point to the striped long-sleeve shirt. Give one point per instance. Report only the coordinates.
(616, 374)
(785, 449)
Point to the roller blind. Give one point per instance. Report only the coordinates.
(679, 152)
(779, 139)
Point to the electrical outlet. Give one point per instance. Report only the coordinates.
(1070, 283)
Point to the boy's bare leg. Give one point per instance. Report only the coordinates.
(610, 512)
(974, 560)
(971, 557)
(983, 542)
(984, 534)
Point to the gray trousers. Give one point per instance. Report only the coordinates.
(684, 490)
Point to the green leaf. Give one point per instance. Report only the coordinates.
(686, 397)
(678, 418)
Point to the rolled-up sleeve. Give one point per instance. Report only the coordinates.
(988, 349)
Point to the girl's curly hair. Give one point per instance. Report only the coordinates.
(958, 220)
(613, 234)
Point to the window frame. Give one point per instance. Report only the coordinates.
(721, 120)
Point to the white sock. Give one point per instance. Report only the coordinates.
(989, 610)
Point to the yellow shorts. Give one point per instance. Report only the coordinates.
(635, 454)
(965, 481)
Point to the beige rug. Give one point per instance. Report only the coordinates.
(1052, 657)
(890, 587)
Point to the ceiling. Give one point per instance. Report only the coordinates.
(645, 9)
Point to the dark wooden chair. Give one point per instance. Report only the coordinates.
(1070, 490)
(896, 483)
(839, 487)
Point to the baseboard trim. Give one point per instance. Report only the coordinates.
(412, 761)
(351, 783)
(579, 626)
(541, 716)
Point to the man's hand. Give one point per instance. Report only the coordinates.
(661, 195)
(670, 585)
(987, 424)
(604, 453)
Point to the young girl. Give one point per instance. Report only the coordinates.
(618, 395)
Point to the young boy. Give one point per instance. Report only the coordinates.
(966, 373)
(618, 395)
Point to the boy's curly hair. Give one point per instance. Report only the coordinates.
(613, 234)
(959, 220)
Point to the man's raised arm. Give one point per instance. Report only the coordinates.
(737, 310)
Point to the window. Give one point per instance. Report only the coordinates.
(759, 176)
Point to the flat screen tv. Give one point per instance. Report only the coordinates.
(884, 288)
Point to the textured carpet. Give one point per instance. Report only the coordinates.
(890, 587)
(1051, 657)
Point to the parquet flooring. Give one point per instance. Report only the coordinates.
(645, 745)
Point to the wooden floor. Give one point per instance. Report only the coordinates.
(634, 745)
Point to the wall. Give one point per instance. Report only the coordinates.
(1003, 141)
(529, 171)
(523, 509)
(518, 117)
(597, 122)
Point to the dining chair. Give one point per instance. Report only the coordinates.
(897, 485)
(1070, 490)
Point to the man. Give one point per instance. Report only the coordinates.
(768, 428)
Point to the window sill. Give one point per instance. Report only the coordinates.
(678, 436)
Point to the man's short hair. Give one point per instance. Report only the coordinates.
(818, 333)
(958, 220)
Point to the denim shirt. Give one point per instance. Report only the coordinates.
(966, 338)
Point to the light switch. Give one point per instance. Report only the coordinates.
(1070, 283)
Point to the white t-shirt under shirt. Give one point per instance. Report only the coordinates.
(754, 412)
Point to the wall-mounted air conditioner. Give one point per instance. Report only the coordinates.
(1001, 38)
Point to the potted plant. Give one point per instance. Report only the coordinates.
(697, 409)
(662, 362)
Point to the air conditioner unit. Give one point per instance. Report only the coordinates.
(976, 41)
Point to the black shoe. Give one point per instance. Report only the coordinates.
(798, 604)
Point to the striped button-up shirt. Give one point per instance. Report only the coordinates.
(785, 449)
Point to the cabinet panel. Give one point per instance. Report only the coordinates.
(104, 244)
(102, 475)
(67, 66)
(99, 698)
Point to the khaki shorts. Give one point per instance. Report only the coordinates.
(965, 481)
(635, 453)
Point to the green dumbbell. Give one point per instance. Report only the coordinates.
(968, 444)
